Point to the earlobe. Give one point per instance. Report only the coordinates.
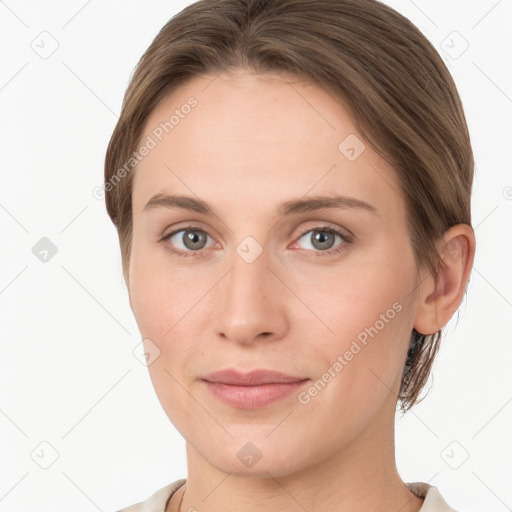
(440, 296)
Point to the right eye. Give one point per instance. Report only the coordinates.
(187, 241)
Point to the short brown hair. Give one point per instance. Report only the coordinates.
(399, 92)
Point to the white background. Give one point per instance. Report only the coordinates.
(68, 374)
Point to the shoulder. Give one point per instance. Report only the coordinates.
(157, 502)
(433, 501)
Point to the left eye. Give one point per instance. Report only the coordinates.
(323, 239)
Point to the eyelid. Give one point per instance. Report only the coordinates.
(314, 225)
(187, 226)
(322, 225)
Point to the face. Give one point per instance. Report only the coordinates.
(251, 273)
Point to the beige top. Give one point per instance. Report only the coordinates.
(433, 502)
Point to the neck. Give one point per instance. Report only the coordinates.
(361, 476)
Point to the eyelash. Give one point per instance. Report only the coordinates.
(347, 239)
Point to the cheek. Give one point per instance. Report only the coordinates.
(163, 306)
(368, 316)
(159, 293)
(356, 365)
(168, 302)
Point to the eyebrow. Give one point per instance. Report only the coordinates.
(292, 207)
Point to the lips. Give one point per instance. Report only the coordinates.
(253, 390)
(253, 378)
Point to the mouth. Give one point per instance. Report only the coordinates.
(253, 390)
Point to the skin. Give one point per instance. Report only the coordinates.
(252, 143)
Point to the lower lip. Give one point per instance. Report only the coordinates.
(252, 397)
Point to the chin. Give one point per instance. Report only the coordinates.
(256, 455)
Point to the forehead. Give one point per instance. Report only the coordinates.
(267, 137)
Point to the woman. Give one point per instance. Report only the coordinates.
(291, 185)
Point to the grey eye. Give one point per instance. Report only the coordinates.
(190, 239)
(320, 240)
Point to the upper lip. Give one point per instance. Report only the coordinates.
(252, 378)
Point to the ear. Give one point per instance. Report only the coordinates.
(440, 297)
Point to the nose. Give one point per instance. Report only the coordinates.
(250, 303)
